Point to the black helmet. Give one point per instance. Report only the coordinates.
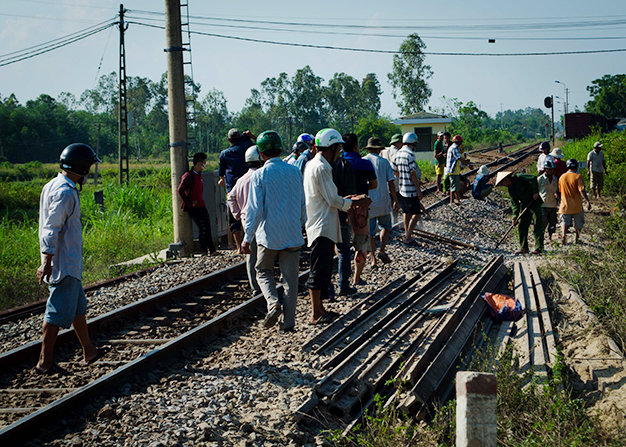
(571, 164)
(78, 158)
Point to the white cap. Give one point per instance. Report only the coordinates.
(252, 154)
(483, 170)
(597, 144)
(409, 138)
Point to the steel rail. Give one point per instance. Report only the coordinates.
(165, 353)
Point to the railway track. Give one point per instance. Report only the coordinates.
(157, 328)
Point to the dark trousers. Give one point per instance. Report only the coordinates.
(534, 215)
(345, 256)
(550, 219)
(322, 252)
(200, 216)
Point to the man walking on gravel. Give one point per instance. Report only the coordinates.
(191, 190)
(409, 196)
(384, 200)
(572, 190)
(548, 190)
(454, 161)
(596, 167)
(526, 207)
(237, 202)
(439, 154)
(322, 225)
(275, 214)
(61, 242)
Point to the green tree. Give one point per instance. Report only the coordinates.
(608, 96)
(373, 126)
(409, 75)
(371, 91)
(344, 100)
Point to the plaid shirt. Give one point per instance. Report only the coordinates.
(404, 164)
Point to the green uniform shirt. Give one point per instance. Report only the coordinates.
(440, 154)
(522, 189)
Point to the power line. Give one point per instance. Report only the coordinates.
(369, 50)
(482, 27)
(52, 47)
(347, 33)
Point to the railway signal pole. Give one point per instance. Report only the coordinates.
(123, 109)
(183, 236)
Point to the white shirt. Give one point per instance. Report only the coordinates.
(389, 154)
(381, 201)
(322, 201)
(596, 161)
(60, 229)
(541, 161)
(548, 190)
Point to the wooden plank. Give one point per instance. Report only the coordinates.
(504, 335)
(537, 355)
(522, 341)
(138, 341)
(544, 313)
(36, 390)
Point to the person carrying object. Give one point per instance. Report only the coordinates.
(526, 206)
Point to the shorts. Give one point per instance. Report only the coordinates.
(384, 222)
(322, 253)
(439, 169)
(361, 242)
(67, 300)
(579, 220)
(233, 224)
(597, 180)
(409, 205)
(455, 182)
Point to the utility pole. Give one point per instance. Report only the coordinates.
(177, 122)
(123, 110)
(552, 109)
(95, 174)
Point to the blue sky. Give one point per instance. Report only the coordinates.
(235, 67)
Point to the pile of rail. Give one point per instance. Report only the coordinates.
(532, 336)
(412, 332)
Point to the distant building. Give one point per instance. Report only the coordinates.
(425, 125)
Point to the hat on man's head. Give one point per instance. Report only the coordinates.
(597, 144)
(374, 143)
(548, 164)
(557, 153)
(571, 164)
(234, 134)
(502, 175)
(483, 170)
(396, 138)
(440, 134)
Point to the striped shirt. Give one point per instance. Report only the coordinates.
(404, 164)
(276, 210)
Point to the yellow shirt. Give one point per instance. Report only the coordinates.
(571, 185)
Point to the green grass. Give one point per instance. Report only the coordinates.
(136, 220)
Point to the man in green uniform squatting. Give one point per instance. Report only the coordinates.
(526, 206)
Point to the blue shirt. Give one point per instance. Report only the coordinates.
(233, 162)
(276, 207)
(302, 160)
(480, 182)
(363, 171)
(60, 230)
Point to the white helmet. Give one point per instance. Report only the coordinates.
(409, 138)
(252, 154)
(327, 137)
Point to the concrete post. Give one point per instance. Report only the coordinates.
(476, 423)
(177, 121)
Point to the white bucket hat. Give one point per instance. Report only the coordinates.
(557, 153)
(483, 170)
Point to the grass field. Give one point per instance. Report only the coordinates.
(136, 220)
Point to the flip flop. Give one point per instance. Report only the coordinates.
(100, 351)
(53, 369)
(328, 317)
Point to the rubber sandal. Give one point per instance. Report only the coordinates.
(53, 369)
(100, 352)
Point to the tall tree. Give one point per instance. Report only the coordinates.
(344, 99)
(608, 96)
(371, 91)
(409, 75)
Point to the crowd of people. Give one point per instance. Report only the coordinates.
(323, 194)
(558, 189)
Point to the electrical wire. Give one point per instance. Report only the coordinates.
(521, 26)
(52, 47)
(369, 50)
(347, 33)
